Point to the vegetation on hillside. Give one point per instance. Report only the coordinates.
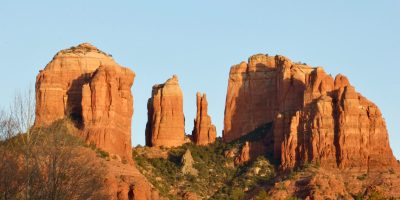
(45, 163)
(54, 165)
(218, 178)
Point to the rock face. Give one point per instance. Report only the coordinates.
(107, 108)
(244, 154)
(166, 121)
(315, 117)
(204, 131)
(87, 85)
(125, 182)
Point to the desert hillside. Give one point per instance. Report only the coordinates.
(291, 131)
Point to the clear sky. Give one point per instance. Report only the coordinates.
(200, 40)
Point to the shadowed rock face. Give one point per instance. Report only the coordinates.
(315, 118)
(204, 131)
(166, 121)
(87, 85)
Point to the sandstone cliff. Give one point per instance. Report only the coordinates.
(59, 84)
(204, 132)
(166, 121)
(87, 85)
(107, 108)
(315, 117)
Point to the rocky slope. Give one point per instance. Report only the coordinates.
(166, 121)
(204, 132)
(316, 118)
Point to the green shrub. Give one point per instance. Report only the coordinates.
(376, 196)
(292, 198)
(103, 154)
(238, 194)
(262, 195)
(214, 181)
(362, 177)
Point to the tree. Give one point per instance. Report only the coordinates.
(47, 162)
(9, 183)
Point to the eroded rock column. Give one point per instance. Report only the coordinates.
(204, 132)
(166, 121)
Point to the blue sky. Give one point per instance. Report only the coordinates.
(200, 40)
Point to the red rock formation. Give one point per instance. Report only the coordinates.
(244, 155)
(315, 118)
(59, 85)
(166, 121)
(204, 131)
(107, 109)
(189, 196)
(87, 85)
(248, 105)
(126, 182)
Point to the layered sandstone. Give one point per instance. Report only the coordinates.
(204, 132)
(59, 84)
(166, 121)
(315, 117)
(107, 108)
(87, 85)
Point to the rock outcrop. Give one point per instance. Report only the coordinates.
(107, 108)
(125, 182)
(59, 84)
(244, 155)
(166, 121)
(87, 85)
(204, 132)
(316, 118)
(187, 163)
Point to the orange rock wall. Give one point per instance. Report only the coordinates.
(107, 108)
(59, 85)
(166, 121)
(315, 118)
(87, 85)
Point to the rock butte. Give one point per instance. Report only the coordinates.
(303, 115)
(166, 121)
(87, 85)
(315, 118)
(204, 132)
